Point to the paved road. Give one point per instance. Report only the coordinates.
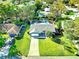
(52, 57)
(34, 47)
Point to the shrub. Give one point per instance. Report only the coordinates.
(57, 40)
(2, 42)
(13, 51)
(69, 12)
(49, 34)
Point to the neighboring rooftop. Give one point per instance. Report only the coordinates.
(73, 9)
(9, 28)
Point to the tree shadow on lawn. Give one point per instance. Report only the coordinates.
(57, 39)
(70, 49)
(67, 47)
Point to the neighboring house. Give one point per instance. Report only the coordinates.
(44, 13)
(9, 28)
(39, 30)
(47, 9)
(75, 10)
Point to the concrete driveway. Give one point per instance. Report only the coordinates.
(34, 47)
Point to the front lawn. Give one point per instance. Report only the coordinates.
(47, 47)
(24, 43)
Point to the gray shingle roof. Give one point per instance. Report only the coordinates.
(40, 27)
(9, 28)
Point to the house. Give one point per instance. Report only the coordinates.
(45, 12)
(39, 28)
(73, 9)
(47, 9)
(9, 28)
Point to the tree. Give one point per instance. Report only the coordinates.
(27, 11)
(66, 1)
(57, 8)
(68, 29)
(76, 27)
(73, 2)
(13, 51)
(38, 5)
(8, 10)
(71, 28)
(2, 42)
(49, 1)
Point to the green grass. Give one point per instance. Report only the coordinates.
(5, 35)
(47, 47)
(24, 44)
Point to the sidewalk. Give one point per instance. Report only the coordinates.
(52, 57)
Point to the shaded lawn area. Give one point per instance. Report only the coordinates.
(23, 44)
(47, 47)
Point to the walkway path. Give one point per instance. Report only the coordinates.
(34, 47)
